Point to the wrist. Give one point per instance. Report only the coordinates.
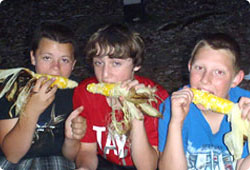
(175, 124)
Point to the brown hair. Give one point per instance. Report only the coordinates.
(125, 42)
(54, 31)
(219, 41)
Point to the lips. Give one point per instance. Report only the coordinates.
(206, 90)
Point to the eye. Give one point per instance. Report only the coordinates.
(219, 72)
(46, 58)
(98, 63)
(65, 60)
(197, 67)
(116, 63)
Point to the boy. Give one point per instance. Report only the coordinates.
(191, 135)
(115, 53)
(34, 139)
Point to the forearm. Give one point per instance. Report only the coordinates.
(143, 154)
(18, 140)
(173, 156)
(244, 164)
(70, 148)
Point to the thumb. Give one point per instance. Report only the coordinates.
(75, 113)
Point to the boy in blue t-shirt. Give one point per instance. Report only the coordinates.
(191, 137)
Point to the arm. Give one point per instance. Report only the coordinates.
(87, 157)
(16, 134)
(173, 156)
(144, 155)
(243, 164)
(75, 128)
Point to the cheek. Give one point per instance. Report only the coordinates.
(123, 75)
(194, 77)
(42, 68)
(98, 73)
(66, 71)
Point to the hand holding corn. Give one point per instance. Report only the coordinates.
(134, 99)
(240, 128)
(16, 85)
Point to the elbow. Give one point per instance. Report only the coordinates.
(13, 158)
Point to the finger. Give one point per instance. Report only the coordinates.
(46, 86)
(78, 131)
(38, 84)
(135, 84)
(78, 137)
(78, 119)
(51, 91)
(245, 111)
(68, 122)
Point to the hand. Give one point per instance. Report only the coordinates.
(75, 125)
(244, 105)
(180, 103)
(133, 84)
(42, 95)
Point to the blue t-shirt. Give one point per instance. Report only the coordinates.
(203, 149)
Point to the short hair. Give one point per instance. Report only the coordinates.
(54, 31)
(219, 41)
(125, 42)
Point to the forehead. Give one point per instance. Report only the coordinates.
(50, 46)
(220, 57)
(110, 59)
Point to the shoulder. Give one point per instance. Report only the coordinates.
(81, 93)
(237, 92)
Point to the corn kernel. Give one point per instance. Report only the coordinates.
(61, 82)
(212, 102)
(105, 89)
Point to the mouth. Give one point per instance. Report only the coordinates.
(206, 90)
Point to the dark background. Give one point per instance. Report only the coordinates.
(170, 29)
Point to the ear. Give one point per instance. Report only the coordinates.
(237, 79)
(32, 58)
(73, 65)
(136, 68)
(189, 65)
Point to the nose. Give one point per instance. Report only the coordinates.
(55, 68)
(206, 77)
(105, 72)
(56, 65)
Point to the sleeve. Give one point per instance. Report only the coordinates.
(163, 123)
(245, 152)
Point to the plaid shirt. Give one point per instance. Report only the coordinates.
(38, 163)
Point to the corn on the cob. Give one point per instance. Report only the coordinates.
(106, 89)
(60, 82)
(212, 102)
(16, 85)
(134, 100)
